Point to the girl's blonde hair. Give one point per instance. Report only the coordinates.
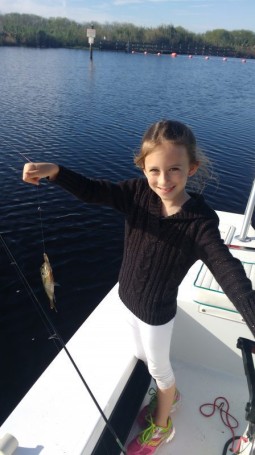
(180, 134)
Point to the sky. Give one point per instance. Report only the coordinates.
(194, 15)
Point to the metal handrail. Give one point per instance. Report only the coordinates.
(247, 216)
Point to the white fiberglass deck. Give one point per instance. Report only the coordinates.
(205, 370)
(196, 434)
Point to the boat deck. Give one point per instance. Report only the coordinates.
(203, 435)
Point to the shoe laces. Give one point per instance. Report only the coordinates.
(153, 430)
(147, 434)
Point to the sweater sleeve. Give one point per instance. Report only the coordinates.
(116, 195)
(227, 270)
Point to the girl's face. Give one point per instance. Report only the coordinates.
(167, 169)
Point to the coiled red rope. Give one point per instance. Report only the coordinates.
(221, 404)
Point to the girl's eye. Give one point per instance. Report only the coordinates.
(174, 169)
(154, 170)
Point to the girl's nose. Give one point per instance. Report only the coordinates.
(164, 178)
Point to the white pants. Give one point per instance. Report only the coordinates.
(151, 343)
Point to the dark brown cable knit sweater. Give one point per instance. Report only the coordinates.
(158, 252)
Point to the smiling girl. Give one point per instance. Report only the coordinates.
(167, 230)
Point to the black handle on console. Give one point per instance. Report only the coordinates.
(248, 348)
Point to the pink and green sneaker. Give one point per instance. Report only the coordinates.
(150, 439)
(149, 409)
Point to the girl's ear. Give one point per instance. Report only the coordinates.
(193, 169)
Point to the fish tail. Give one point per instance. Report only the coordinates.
(52, 304)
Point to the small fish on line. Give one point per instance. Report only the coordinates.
(48, 281)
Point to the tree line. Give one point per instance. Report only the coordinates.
(35, 31)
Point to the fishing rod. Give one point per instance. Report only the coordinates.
(54, 334)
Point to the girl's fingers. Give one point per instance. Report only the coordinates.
(31, 174)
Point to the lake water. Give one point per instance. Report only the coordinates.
(57, 105)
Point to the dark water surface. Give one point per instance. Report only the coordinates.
(55, 105)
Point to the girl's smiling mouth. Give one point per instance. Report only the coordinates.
(166, 190)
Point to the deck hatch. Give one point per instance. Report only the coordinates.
(207, 290)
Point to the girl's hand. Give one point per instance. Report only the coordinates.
(34, 172)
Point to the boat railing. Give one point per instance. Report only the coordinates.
(242, 237)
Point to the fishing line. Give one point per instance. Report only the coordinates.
(39, 204)
(41, 221)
